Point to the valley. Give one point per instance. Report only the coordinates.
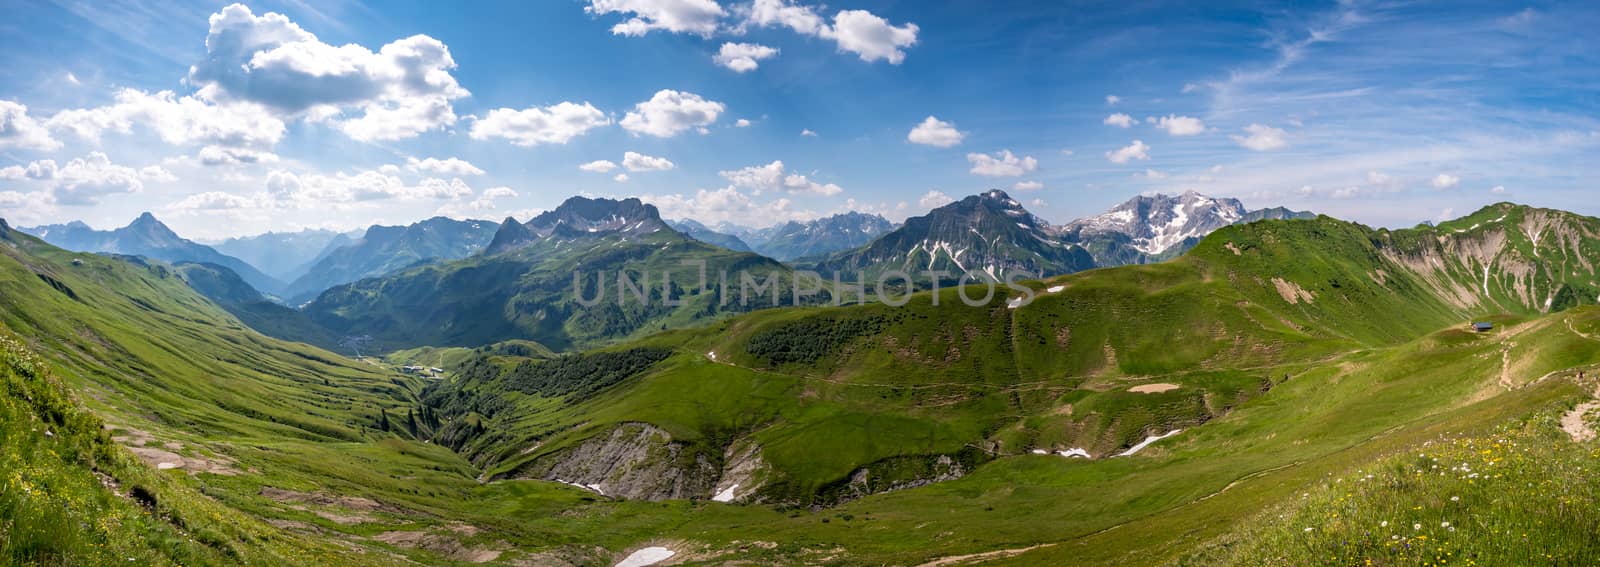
(1094, 423)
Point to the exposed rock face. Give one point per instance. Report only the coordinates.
(743, 473)
(635, 461)
(1517, 259)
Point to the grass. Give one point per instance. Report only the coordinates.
(1523, 494)
(1274, 397)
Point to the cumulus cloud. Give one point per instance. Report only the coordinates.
(742, 123)
(727, 204)
(1003, 164)
(555, 124)
(807, 133)
(935, 132)
(214, 201)
(1263, 138)
(1112, 100)
(771, 13)
(1498, 189)
(670, 112)
(1445, 181)
(177, 120)
(1119, 120)
(448, 166)
(870, 37)
(637, 162)
(863, 33)
(402, 90)
(157, 174)
(221, 155)
(934, 199)
(621, 178)
(18, 130)
(315, 189)
(774, 177)
(677, 16)
(742, 57)
(1028, 186)
(1179, 125)
(43, 169)
(1135, 151)
(598, 166)
(86, 180)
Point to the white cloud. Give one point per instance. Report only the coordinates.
(449, 166)
(676, 16)
(499, 193)
(316, 190)
(157, 174)
(1152, 174)
(1180, 125)
(1445, 181)
(18, 130)
(1263, 138)
(598, 166)
(871, 37)
(220, 155)
(1119, 120)
(44, 169)
(85, 180)
(1137, 150)
(1003, 164)
(727, 204)
(1066, 152)
(742, 123)
(670, 112)
(1028, 186)
(214, 201)
(1112, 100)
(934, 199)
(742, 57)
(773, 177)
(1038, 203)
(935, 132)
(637, 162)
(177, 120)
(1498, 189)
(621, 178)
(402, 90)
(863, 33)
(807, 133)
(768, 13)
(555, 124)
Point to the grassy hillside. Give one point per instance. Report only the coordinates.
(529, 294)
(826, 396)
(1298, 350)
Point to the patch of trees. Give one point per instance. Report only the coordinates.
(581, 376)
(807, 341)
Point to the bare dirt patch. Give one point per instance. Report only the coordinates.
(439, 543)
(1292, 292)
(1576, 422)
(1153, 388)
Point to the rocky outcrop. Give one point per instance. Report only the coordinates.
(635, 461)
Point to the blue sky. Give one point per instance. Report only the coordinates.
(237, 119)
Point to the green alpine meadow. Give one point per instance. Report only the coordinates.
(655, 283)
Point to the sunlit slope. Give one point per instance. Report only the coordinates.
(814, 400)
(142, 343)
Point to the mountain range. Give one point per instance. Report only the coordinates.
(1095, 417)
(146, 236)
(793, 241)
(522, 284)
(385, 249)
(285, 256)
